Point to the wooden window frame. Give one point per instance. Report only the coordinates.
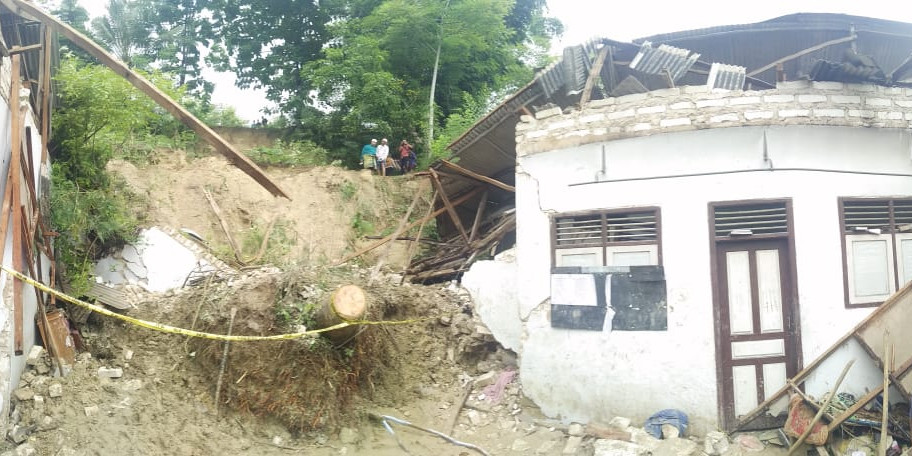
(605, 245)
(894, 255)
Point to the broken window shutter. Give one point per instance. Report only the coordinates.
(864, 215)
(632, 226)
(579, 231)
(751, 219)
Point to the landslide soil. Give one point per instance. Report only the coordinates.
(164, 403)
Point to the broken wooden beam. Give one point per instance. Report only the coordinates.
(593, 75)
(802, 52)
(478, 215)
(437, 212)
(451, 210)
(810, 427)
(16, 201)
(29, 10)
(476, 176)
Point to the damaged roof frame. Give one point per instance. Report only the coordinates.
(32, 12)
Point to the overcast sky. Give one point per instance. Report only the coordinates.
(623, 21)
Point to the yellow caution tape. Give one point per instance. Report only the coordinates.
(189, 332)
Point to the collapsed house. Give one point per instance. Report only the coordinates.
(697, 214)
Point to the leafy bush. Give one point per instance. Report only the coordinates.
(290, 153)
(100, 115)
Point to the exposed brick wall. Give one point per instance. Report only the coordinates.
(695, 108)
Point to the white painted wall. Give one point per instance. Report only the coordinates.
(583, 375)
(492, 285)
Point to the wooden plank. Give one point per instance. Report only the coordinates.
(479, 213)
(20, 49)
(787, 58)
(862, 402)
(880, 363)
(16, 201)
(810, 427)
(424, 219)
(224, 224)
(476, 176)
(46, 98)
(414, 245)
(375, 271)
(29, 10)
(593, 75)
(451, 210)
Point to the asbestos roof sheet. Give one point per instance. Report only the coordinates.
(675, 61)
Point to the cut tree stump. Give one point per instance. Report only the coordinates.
(348, 303)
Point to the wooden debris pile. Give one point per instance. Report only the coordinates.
(457, 255)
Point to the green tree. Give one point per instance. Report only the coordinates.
(125, 30)
(70, 12)
(180, 30)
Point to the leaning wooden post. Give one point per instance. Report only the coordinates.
(823, 407)
(885, 408)
(347, 304)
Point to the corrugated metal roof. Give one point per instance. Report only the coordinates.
(825, 70)
(675, 61)
(728, 77)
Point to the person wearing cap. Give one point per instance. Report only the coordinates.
(369, 155)
(383, 151)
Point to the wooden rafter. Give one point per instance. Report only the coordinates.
(794, 56)
(479, 213)
(478, 177)
(31, 11)
(593, 76)
(449, 206)
(16, 200)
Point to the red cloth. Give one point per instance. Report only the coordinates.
(799, 417)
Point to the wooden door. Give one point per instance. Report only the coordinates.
(758, 331)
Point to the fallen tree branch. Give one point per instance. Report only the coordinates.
(384, 418)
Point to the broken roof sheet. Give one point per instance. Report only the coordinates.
(675, 61)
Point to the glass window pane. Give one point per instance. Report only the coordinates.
(870, 268)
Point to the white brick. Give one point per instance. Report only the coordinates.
(861, 113)
(633, 97)
(621, 114)
(903, 103)
(536, 134)
(525, 118)
(861, 87)
(592, 118)
(881, 102)
(675, 122)
(709, 103)
(669, 92)
(756, 115)
(793, 84)
(743, 100)
(640, 127)
(696, 89)
(908, 91)
(724, 118)
(600, 131)
(561, 124)
(783, 113)
(524, 126)
(811, 98)
(845, 99)
(893, 115)
(582, 132)
(651, 109)
(829, 113)
(890, 90)
(779, 98)
(545, 113)
(681, 105)
(827, 85)
(602, 102)
(909, 116)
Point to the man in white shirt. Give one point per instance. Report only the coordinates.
(383, 151)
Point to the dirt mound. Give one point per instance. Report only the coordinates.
(330, 210)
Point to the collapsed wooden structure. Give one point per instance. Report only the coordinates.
(883, 338)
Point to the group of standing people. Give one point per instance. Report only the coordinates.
(377, 157)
